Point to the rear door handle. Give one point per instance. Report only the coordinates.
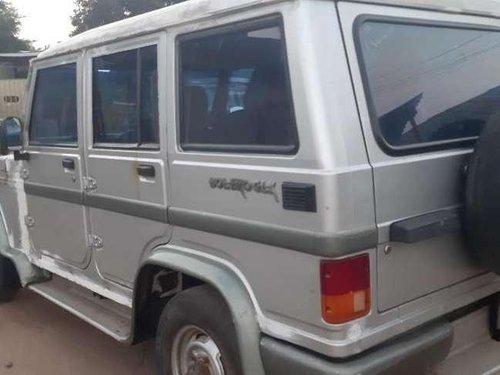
(68, 164)
(424, 227)
(145, 170)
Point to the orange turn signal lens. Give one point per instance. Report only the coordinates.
(345, 289)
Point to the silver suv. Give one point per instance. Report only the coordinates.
(269, 186)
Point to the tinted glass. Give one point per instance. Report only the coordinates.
(54, 112)
(125, 98)
(430, 84)
(235, 93)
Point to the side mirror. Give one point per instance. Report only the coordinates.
(10, 135)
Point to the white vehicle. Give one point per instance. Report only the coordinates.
(269, 186)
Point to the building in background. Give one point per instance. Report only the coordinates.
(13, 75)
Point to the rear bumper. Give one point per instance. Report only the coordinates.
(413, 353)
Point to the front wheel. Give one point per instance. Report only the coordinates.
(196, 335)
(9, 280)
(7, 295)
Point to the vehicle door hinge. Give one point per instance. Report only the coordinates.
(24, 174)
(95, 242)
(89, 184)
(29, 221)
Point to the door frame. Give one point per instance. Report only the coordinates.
(158, 39)
(37, 65)
(154, 211)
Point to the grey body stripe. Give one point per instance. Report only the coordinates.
(322, 244)
(52, 192)
(150, 211)
(316, 243)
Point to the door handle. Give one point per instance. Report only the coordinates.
(426, 226)
(18, 155)
(68, 164)
(146, 170)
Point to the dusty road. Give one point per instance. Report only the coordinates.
(39, 338)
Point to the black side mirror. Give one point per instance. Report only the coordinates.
(10, 135)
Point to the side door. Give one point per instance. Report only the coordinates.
(56, 217)
(126, 154)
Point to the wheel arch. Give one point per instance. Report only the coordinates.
(222, 276)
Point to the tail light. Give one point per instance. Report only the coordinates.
(345, 289)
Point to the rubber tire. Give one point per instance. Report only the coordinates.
(482, 198)
(9, 280)
(205, 308)
(8, 295)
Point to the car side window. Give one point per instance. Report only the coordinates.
(234, 90)
(54, 113)
(423, 82)
(125, 99)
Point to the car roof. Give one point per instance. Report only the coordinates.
(173, 15)
(488, 8)
(199, 10)
(18, 54)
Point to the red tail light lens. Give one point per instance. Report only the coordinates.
(345, 289)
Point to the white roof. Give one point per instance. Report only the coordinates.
(18, 55)
(202, 9)
(153, 21)
(490, 8)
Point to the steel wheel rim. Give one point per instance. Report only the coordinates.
(194, 352)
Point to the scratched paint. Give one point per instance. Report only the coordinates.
(14, 170)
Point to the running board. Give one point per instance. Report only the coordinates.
(108, 316)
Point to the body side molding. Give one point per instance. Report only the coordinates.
(315, 243)
(306, 241)
(151, 211)
(52, 192)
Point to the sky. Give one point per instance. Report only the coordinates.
(45, 22)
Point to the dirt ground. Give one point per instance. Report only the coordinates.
(39, 338)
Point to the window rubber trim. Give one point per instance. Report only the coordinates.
(128, 146)
(67, 145)
(273, 20)
(417, 148)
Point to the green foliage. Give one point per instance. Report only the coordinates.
(10, 24)
(93, 13)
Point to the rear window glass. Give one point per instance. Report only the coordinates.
(235, 93)
(54, 113)
(429, 84)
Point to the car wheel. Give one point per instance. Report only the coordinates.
(7, 295)
(9, 280)
(196, 335)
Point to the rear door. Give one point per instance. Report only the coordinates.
(426, 83)
(53, 174)
(126, 154)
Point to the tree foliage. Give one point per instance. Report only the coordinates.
(10, 24)
(93, 13)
